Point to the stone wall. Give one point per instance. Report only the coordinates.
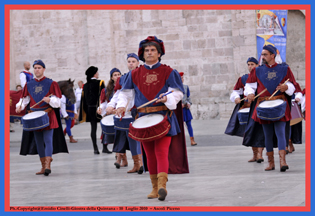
(210, 46)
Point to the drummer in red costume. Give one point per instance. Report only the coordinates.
(150, 81)
(34, 91)
(272, 76)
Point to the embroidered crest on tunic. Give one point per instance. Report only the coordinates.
(272, 75)
(38, 89)
(151, 78)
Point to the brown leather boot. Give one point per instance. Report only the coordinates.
(255, 152)
(259, 154)
(162, 179)
(291, 146)
(72, 140)
(141, 169)
(154, 182)
(124, 162)
(42, 171)
(47, 165)
(118, 160)
(136, 164)
(283, 164)
(192, 141)
(286, 150)
(271, 161)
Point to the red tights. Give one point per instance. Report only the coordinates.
(157, 154)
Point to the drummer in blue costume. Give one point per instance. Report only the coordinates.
(272, 76)
(150, 81)
(122, 140)
(68, 112)
(106, 96)
(35, 91)
(237, 128)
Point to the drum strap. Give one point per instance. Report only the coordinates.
(152, 109)
(246, 105)
(260, 99)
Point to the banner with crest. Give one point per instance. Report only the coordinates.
(271, 28)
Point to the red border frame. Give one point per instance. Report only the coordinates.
(307, 9)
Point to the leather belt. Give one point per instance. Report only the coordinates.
(152, 109)
(273, 98)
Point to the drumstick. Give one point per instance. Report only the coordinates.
(155, 99)
(124, 112)
(40, 101)
(278, 90)
(256, 95)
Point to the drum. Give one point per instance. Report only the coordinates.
(295, 113)
(123, 123)
(35, 121)
(149, 127)
(272, 110)
(243, 115)
(107, 124)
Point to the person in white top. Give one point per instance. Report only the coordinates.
(78, 93)
(26, 75)
(119, 145)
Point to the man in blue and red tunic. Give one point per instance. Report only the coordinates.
(234, 127)
(122, 141)
(167, 154)
(26, 75)
(43, 94)
(272, 76)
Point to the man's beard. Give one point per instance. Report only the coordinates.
(264, 61)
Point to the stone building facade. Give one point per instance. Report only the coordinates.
(210, 46)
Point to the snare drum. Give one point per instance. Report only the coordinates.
(295, 113)
(272, 110)
(243, 115)
(35, 121)
(123, 123)
(107, 124)
(149, 127)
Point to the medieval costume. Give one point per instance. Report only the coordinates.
(236, 127)
(68, 112)
(186, 103)
(90, 101)
(149, 82)
(270, 76)
(48, 140)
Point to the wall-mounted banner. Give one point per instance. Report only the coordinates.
(272, 29)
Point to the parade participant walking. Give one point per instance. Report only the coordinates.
(78, 94)
(150, 81)
(26, 75)
(69, 113)
(296, 129)
(36, 92)
(90, 101)
(186, 103)
(272, 76)
(235, 127)
(18, 88)
(106, 96)
(122, 138)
